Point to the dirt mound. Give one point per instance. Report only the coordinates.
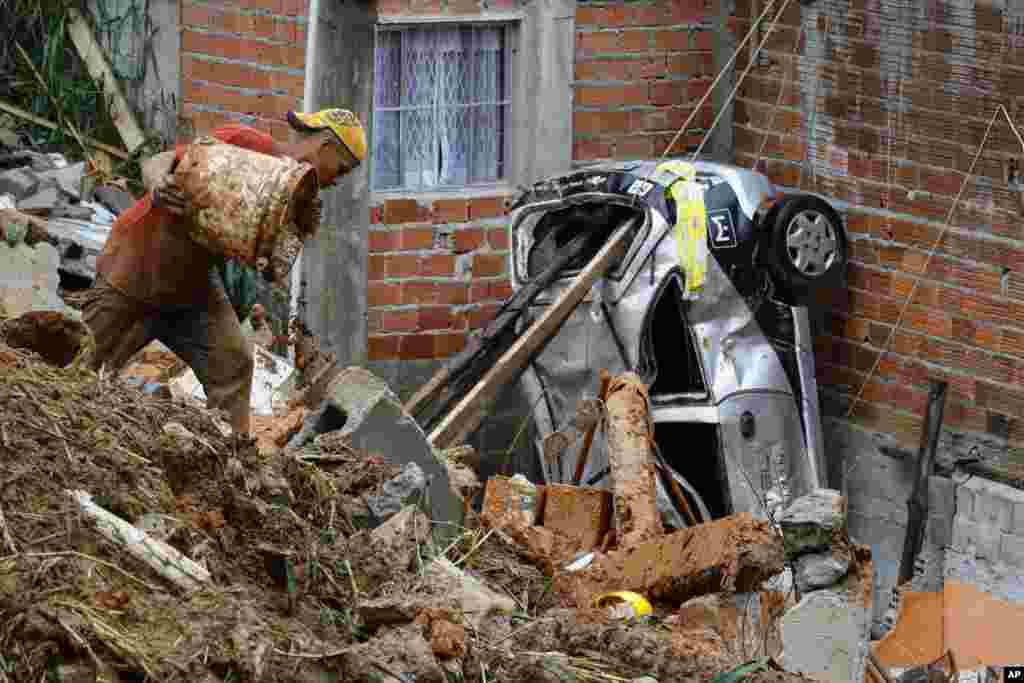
(300, 588)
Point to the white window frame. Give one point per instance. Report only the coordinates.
(513, 48)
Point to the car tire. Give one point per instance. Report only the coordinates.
(807, 247)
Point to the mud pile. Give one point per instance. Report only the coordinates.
(300, 587)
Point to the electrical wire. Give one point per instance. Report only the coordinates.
(924, 267)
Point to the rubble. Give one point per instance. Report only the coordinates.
(734, 553)
(408, 488)
(634, 481)
(812, 522)
(363, 409)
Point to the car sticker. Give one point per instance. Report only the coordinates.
(722, 230)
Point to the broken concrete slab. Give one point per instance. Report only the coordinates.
(821, 570)
(19, 183)
(408, 488)
(825, 636)
(365, 410)
(735, 553)
(68, 179)
(42, 201)
(29, 280)
(116, 200)
(811, 522)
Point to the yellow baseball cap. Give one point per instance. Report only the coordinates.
(341, 122)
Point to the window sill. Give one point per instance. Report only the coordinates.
(472, 192)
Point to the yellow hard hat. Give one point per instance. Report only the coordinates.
(341, 122)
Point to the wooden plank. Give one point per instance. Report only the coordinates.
(99, 68)
(468, 413)
(45, 123)
(917, 504)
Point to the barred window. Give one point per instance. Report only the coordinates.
(441, 106)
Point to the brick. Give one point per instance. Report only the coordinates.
(507, 502)
(487, 207)
(637, 41)
(400, 211)
(196, 15)
(468, 239)
(589, 150)
(453, 293)
(418, 292)
(417, 239)
(382, 347)
(983, 538)
(672, 40)
(703, 40)
(582, 515)
(435, 318)
(591, 16)
(683, 564)
(377, 267)
(489, 265)
(598, 41)
(448, 344)
(383, 294)
(451, 211)
(1011, 550)
(416, 346)
(403, 266)
(400, 321)
(666, 93)
(437, 265)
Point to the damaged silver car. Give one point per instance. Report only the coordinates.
(728, 360)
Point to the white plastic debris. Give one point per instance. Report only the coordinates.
(269, 376)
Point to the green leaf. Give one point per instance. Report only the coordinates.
(739, 673)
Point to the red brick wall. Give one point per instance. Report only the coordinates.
(641, 66)
(438, 268)
(437, 271)
(242, 59)
(966, 323)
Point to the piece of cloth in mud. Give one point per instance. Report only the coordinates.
(207, 336)
(149, 255)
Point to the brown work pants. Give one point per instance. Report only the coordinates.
(207, 336)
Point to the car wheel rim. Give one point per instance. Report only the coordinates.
(811, 243)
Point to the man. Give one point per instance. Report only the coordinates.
(153, 282)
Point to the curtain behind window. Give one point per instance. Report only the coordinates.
(440, 107)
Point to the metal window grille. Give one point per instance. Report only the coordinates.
(441, 106)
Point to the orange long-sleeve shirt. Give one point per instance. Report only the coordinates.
(151, 259)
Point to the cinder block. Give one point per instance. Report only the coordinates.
(1011, 550)
(506, 500)
(941, 496)
(984, 539)
(1018, 519)
(581, 514)
(965, 501)
(940, 530)
(991, 509)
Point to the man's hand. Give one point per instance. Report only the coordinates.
(158, 177)
(170, 197)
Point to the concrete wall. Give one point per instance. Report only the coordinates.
(881, 480)
(339, 73)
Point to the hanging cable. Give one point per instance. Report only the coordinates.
(924, 267)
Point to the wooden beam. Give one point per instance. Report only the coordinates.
(917, 504)
(99, 68)
(469, 412)
(45, 123)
